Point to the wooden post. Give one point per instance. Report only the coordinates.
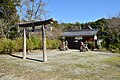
(95, 39)
(44, 43)
(24, 43)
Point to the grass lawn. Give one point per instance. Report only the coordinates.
(61, 65)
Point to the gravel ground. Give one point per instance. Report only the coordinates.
(61, 65)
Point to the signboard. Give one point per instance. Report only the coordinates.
(78, 37)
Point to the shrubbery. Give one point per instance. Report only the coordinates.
(37, 42)
(91, 45)
(29, 44)
(18, 44)
(115, 48)
(53, 44)
(5, 46)
(8, 46)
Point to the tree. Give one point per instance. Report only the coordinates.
(32, 10)
(69, 26)
(114, 29)
(77, 26)
(8, 17)
(109, 31)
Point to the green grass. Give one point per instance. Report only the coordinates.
(83, 66)
(113, 61)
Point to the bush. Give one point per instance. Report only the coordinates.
(52, 44)
(6, 46)
(115, 48)
(103, 44)
(55, 44)
(117, 45)
(18, 44)
(37, 42)
(48, 44)
(29, 44)
(91, 45)
(40, 43)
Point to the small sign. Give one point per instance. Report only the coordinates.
(78, 37)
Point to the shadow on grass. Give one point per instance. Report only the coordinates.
(26, 58)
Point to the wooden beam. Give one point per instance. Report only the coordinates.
(36, 23)
(35, 30)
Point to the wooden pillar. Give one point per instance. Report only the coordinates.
(44, 43)
(95, 39)
(24, 43)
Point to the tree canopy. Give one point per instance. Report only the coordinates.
(8, 17)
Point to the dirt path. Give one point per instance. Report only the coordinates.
(61, 65)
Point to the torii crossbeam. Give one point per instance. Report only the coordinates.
(33, 24)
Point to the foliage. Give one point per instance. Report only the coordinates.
(111, 33)
(48, 43)
(18, 44)
(8, 17)
(103, 43)
(8, 45)
(91, 45)
(115, 48)
(53, 44)
(29, 45)
(108, 30)
(71, 26)
(37, 42)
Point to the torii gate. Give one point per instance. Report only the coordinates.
(33, 24)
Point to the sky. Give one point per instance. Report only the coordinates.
(71, 11)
